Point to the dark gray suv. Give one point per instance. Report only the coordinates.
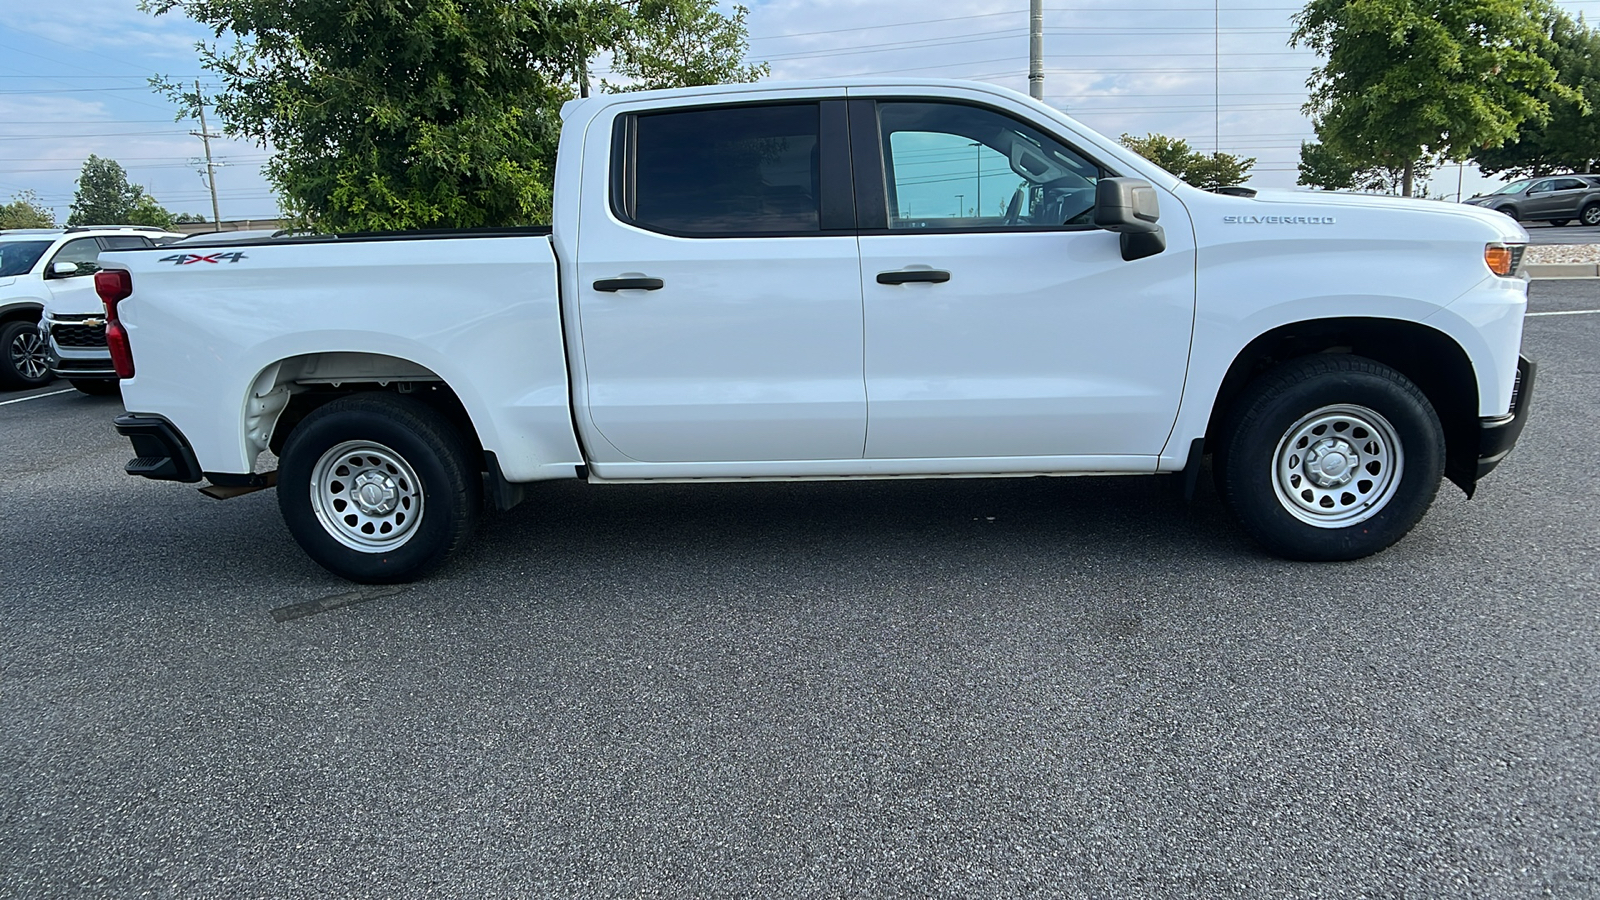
(1557, 199)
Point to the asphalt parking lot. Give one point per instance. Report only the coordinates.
(1043, 687)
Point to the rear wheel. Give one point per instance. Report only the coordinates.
(22, 362)
(1590, 215)
(1330, 458)
(96, 387)
(378, 488)
(1559, 223)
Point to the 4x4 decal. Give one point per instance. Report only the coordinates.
(189, 259)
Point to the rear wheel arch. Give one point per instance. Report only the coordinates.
(1431, 359)
(284, 393)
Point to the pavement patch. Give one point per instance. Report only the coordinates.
(335, 601)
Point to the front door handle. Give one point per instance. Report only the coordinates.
(612, 285)
(917, 276)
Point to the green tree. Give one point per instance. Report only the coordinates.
(674, 43)
(1323, 167)
(1409, 80)
(392, 114)
(104, 195)
(188, 219)
(1203, 170)
(1569, 140)
(26, 211)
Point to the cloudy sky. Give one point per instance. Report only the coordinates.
(1218, 74)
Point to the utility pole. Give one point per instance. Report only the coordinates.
(211, 167)
(1036, 50)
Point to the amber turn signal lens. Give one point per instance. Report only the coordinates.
(1498, 256)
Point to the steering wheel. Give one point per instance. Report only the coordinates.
(1014, 210)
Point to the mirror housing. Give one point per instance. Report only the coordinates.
(63, 269)
(1128, 206)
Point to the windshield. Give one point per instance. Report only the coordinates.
(17, 257)
(1514, 187)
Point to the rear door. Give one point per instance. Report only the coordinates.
(719, 289)
(1000, 323)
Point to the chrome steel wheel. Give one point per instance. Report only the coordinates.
(366, 496)
(28, 355)
(1337, 466)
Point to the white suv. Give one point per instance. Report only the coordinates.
(44, 275)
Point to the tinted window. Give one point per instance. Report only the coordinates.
(18, 257)
(1568, 184)
(123, 243)
(955, 166)
(728, 171)
(83, 251)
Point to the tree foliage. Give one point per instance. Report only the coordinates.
(1408, 80)
(26, 211)
(1321, 166)
(392, 114)
(1203, 170)
(683, 42)
(1569, 140)
(105, 197)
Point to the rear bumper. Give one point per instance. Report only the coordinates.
(160, 450)
(1496, 436)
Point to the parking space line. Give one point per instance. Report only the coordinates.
(1567, 312)
(36, 397)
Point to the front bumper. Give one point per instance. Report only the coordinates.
(1497, 435)
(161, 451)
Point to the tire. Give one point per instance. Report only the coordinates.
(22, 355)
(1590, 215)
(97, 387)
(1559, 223)
(422, 494)
(1282, 465)
(1510, 211)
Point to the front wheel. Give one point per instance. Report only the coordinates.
(1330, 458)
(1559, 223)
(378, 488)
(22, 362)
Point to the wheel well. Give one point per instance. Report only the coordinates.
(21, 313)
(1430, 358)
(314, 380)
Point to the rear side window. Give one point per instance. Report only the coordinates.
(732, 171)
(123, 243)
(1568, 184)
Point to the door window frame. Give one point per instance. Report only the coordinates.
(871, 175)
(836, 203)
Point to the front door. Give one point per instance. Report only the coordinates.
(1000, 324)
(719, 292)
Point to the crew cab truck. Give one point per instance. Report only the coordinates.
(817, 281)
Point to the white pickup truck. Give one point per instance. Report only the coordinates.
(817, 281)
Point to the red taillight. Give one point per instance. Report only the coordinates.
(114, 286)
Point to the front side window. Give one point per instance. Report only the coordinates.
(18, 257)
(1541, 187)
(725, 172)
(949, 165)
(83, 251)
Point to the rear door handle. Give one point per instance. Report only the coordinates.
(910, 276)
(612, 285)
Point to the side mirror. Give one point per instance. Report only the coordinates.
(63, 269)
(1128, 206)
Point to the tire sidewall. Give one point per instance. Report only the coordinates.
(1590, 215)
(10, 375)
(1252, 467)
(445, 499)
